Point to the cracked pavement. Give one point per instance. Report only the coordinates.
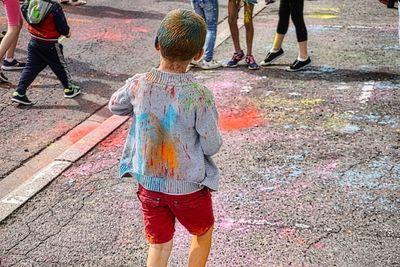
(310, 162)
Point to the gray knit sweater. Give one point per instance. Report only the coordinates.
(173, 135)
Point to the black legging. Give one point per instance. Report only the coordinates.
(293, 8)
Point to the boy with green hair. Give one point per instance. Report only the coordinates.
(173, 135)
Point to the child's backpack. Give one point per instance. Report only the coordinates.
(35, 11)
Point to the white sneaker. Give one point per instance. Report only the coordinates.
(208, 65)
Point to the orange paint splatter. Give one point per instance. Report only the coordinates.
(161, 153)
(240, 119)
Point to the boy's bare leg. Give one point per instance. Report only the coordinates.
(158, 254)
(303, 50)
(248, 24)
(233, 10)
(278, 40)
(200, 249)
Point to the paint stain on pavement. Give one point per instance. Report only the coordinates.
(248, 117)
(91, 30)
(323, 13)
(76, 134)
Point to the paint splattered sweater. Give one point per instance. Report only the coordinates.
(173, 135)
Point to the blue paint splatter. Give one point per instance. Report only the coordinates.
(296, 171)
(169, 119)
(386, 85)
(296, 157)
(350, 129)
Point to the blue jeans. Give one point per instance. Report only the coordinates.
(208, 9)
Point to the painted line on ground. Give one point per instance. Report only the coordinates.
(24, 192)
(366, 92)
(30, 186)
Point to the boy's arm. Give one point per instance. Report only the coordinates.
(120, 102)
(60, 20)
(207, 125)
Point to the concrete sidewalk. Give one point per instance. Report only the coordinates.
(309, 164)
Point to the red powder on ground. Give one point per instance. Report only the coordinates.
(62, 127)
(76, 134)
(141, 29)
(114, 141)
(240, 119)
(93, 30)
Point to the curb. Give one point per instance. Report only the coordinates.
(33, 185)
(24, 192)
(43, 177)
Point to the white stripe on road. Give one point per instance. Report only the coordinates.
(366, 92)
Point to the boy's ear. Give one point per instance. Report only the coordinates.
(199, 55)
(156, 44)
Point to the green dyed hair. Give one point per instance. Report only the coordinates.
(181, 35)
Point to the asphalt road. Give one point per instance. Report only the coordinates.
(310, 163)
(110, 42)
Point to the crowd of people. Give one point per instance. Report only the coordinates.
(47, 23)
(208, 9)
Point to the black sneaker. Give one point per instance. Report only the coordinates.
(271, 57)
(72, 91)
(13, 65)
(21, 99)
(3, 78)
(299, 65)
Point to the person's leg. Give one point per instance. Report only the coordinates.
(14, 20)
(194, 211)
(159, 225)
(200, 249)
(35, 64)
(233, 10)
(158, 254)
(9, 40)
(58, 65)
(211, 17)
(248, 24)
(11, 51)
(283, 24)
(296, 11)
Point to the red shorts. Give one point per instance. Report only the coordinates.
(194, 211)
